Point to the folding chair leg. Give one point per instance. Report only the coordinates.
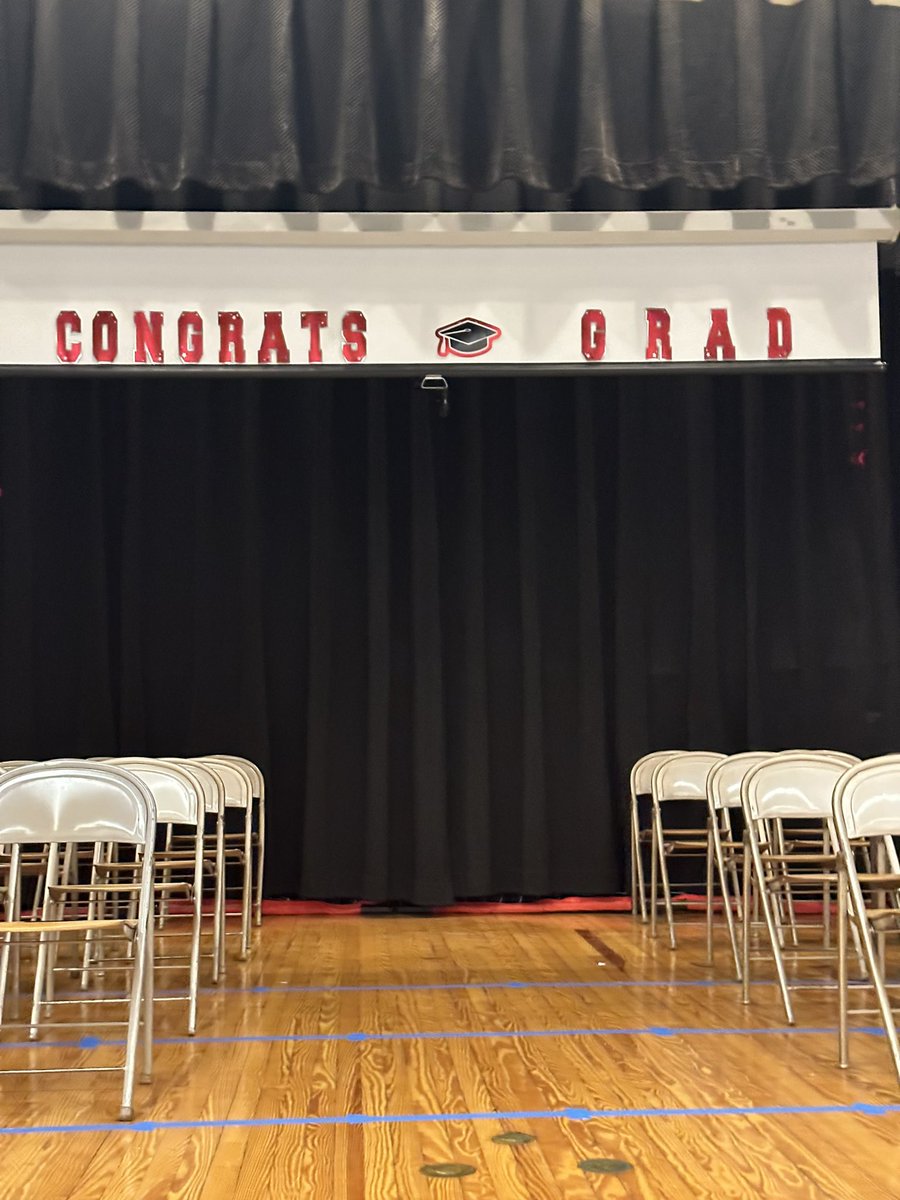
(638, 889)
(219, 931)
(40, 975)
(16, 955)
(787, 894)
(858, 908)
(664, 873)
(126, 1112)
(260, 858)
(4, 972)
(709, 890)
(771, 926)
(826, 898)
(747, 926)
(87, 957)
(147, 1002)
(52, 878)
(47, 944)
(194, 985)
(726, 896)
(12, 892)
(247, 890)
(843, 1040)
(633, 851)
(654, 885)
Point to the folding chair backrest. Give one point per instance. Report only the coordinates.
(836, 755)
(237, 783)
(176, 792)
(211, 787)
(867, 799)
(257, 779)
(792, 786)
(73, 801)
(684, 776)
(726, 777)
(642, 771)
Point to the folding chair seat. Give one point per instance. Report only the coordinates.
(642, 836)
(681, 777)
(69, 802)
(796, 786)
(259, 833)
(867, 806)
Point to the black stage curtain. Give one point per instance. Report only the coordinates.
(445, 638)
(311, 95)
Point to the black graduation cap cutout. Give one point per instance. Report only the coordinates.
(467, 338)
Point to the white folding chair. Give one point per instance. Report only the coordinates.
(724, 796)
(70, 802)
(213, 790)
(867, 805)
(238, 846)
(682, 777)
(259, 836)
(179, 800)
(795, 786)
(640, 780)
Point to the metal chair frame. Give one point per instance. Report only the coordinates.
(68, 802)
(258, 838)
(867, 805)
(680, 777)
(790, 786)
(724, 796)
(639, 785)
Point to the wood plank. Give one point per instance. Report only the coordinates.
(402, 1048)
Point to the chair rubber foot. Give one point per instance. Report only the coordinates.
(243, 956)
(126, 1114)
(145, 1078)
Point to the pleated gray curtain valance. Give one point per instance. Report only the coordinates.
(237, 95)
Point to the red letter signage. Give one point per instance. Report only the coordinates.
(659, 344)
(273, 340)
(781, 334)
(106, 337)
(353, 332)
(315, 322)
(231, 338)
(719, 335)
(190, 337)
(67, 323)
(148, 337)
(593, 334)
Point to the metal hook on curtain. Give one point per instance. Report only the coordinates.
(439, 385)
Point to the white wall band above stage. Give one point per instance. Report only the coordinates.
(85, 302)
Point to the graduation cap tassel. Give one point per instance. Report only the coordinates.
(439, 385)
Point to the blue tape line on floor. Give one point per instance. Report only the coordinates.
(355, 1038)
(566, 1114)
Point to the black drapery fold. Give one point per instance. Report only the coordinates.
(315, 96)
(445, 639)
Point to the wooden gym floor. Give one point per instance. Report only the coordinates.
(351, 1052)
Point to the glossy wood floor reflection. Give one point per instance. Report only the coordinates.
(396, 1019)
